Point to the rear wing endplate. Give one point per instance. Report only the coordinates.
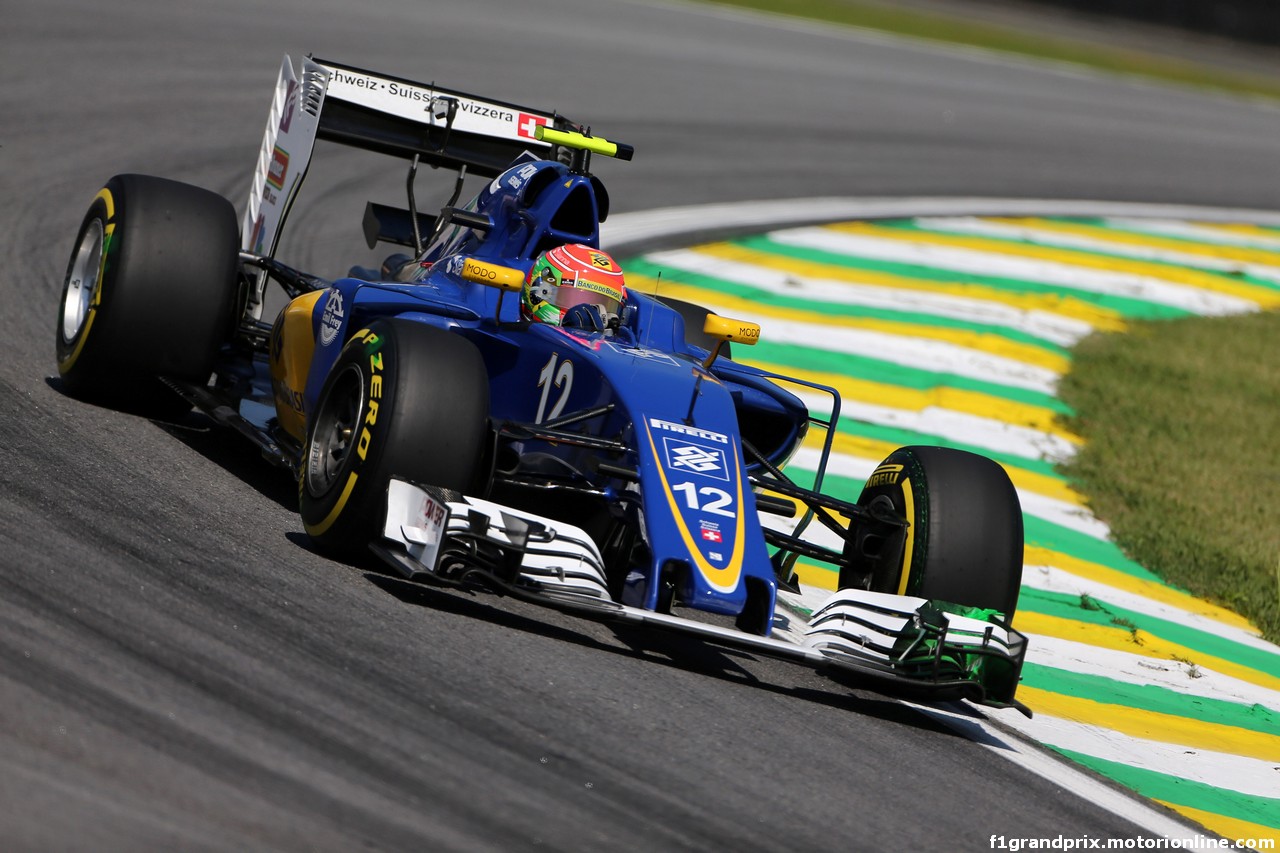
(389, 115)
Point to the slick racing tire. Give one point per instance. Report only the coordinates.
(150, 291)
(694, 316)
(964, 543)
(403, 399)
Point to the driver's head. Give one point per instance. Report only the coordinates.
(568, 276)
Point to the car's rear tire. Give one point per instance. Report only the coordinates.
(964, 544)
(403, 399)
(150, 291)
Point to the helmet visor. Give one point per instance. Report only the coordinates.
(585, 292)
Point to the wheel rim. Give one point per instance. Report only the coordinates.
(332, 439)
(82, 281)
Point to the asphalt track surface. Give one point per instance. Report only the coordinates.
(179, 670)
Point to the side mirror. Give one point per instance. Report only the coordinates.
(726, 329)
(505, 279)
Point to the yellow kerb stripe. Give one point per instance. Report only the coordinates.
(977, 341)
(822, 578)
(1150, 589)
(1242, 228)
(1074, 257)
(1137, 643)
(1055, 303)
(1228, 827)
(940, 397)
(866, 448)
(1152, 725)
(1102, 234)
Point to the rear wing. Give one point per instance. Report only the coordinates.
(389, 115)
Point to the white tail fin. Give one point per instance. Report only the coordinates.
(285, 155)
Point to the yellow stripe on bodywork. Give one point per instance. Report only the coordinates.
(726, 579)
(289, 372)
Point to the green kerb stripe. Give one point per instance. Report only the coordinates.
(768, 297)
(1121, 305)
(1149, 697)
(1184, 239)
(1171, 789)
(1045, 534)
(1072, 607)
(878, 370)
(902, 437)
(1100, 252)
(1037, 532)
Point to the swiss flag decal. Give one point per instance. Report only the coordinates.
(526, 123)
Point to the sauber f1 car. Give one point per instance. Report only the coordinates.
(612, 463)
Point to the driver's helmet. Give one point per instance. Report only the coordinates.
(565, 277)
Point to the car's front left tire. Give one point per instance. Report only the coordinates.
(404, 400)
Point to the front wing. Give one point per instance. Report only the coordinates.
(898, 644)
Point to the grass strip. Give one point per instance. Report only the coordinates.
(1182, 453)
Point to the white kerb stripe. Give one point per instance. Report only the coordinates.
(1069, 240)
(1060, 772)
(1189, 679)
(972, 261)
(1044, 325)
(1053, 579)
(1200, 233)
(1249, 776)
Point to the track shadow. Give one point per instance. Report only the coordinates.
(657, 648)
(233, 453)
(237, 456)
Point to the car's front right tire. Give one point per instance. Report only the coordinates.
(964, 542)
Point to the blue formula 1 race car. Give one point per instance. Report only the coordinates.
(492, 408)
